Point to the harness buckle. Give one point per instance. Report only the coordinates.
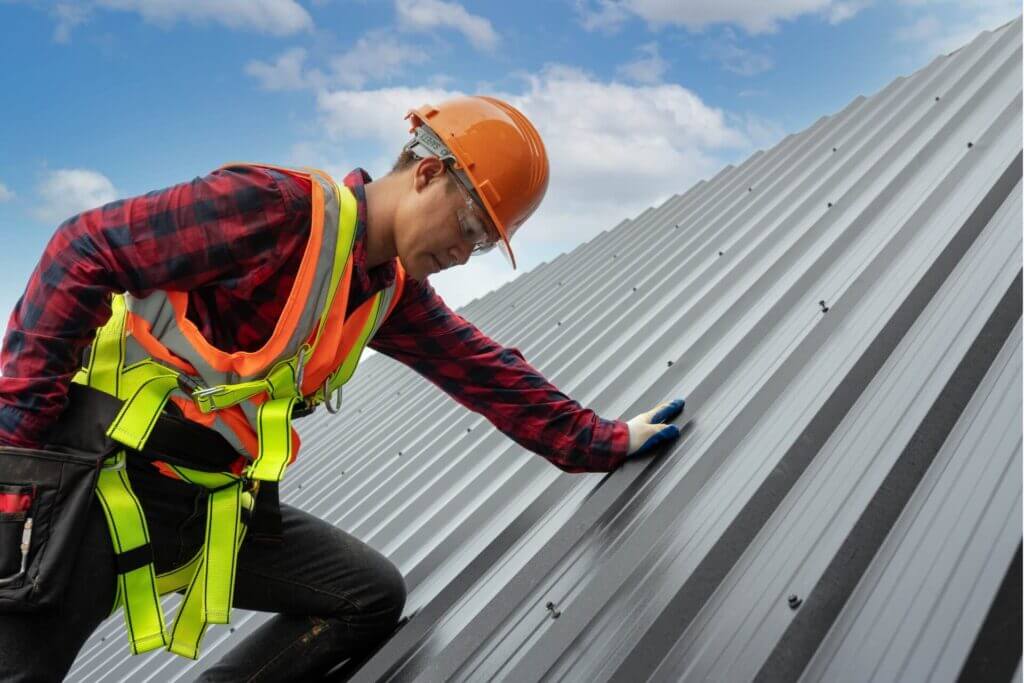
(203, 392)
(303, 408)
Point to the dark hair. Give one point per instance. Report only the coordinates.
(407, 159)
(404, 161)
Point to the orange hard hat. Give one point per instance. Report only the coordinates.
(497, 149)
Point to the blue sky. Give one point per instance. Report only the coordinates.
(636, 99)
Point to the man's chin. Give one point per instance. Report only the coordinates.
(415, 271)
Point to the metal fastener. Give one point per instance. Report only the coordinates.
(794, 601)
(554, 612)
(824, 308)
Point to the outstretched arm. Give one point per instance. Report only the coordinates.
(497, 382)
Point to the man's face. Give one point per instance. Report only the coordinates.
(427, 234)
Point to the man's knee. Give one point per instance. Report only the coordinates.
(393, 594)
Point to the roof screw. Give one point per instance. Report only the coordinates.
(794, 601)
(970, 144)
(300, 486)
(750, 189)
(824, 308)
(469, 429)
(614, 255)
(554, 612)
(559, 323)
(936, 98)
(830, 205)
(721, 253)
(834, 149)
(399, 455)
(670, 363)
(634, 289)
(231, 630)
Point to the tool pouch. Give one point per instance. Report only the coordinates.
(44, 504)
(45, 497)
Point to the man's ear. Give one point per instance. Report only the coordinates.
(426, 170)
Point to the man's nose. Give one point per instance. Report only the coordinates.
(458, 255)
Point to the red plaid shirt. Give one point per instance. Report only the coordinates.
(234, 239)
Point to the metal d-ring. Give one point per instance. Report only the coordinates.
(335, 409)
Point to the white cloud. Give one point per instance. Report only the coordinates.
(276, 17)
(68, 191)
(68, 16)
(286, 72)
(648, 69)
(607, 16)
(951, 24)
(614, 150)
(755, 16)
(6, 195)
(839, 12)
(733, 57)
(376, 56)
(426, 15)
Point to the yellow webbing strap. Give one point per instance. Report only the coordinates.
(144, 618)
(136, 580)
(274, 424)
(348, 366)
(212, 585)
(107, 354)
(348, 210)
(142, 406)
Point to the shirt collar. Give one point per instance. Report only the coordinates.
(365, 282)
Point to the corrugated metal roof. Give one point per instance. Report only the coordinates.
(842, 313)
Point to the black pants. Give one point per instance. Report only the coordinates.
(335, 597)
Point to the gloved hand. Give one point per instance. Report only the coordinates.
(648, 430)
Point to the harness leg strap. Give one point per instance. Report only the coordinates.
(211, 590)
(136, 578)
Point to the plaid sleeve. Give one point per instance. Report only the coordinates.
(497, 382)
(224, 228)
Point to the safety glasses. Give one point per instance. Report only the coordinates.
(472, 225)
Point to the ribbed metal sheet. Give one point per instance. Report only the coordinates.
(841, 313)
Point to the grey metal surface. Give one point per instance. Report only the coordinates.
(865, 458)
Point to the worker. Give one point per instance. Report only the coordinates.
(169, 340)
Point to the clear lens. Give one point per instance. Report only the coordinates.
(473, 228)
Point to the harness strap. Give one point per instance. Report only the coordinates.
(136, 579)
(212, 584)
(144, 389)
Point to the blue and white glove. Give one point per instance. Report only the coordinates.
(649, 430)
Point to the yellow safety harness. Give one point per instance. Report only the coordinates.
(144, 387)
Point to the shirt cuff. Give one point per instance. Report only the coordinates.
(620, 442)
